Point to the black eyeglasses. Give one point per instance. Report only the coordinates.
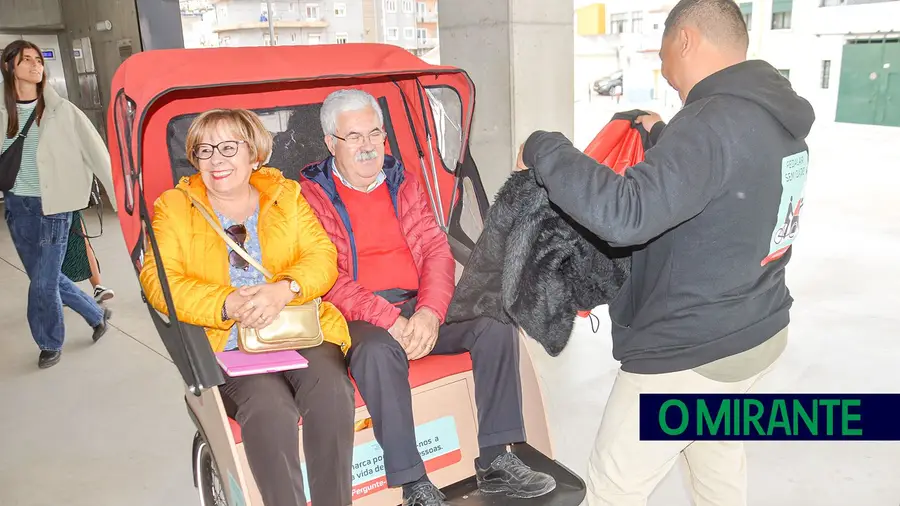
(238, 234)
(227, 148)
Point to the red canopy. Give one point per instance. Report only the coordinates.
(153, 90)
(147, 75)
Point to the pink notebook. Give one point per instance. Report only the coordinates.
(237, 363)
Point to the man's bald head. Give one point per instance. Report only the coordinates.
(720, 21)
(701, 37)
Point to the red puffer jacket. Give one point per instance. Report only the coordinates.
(426, 241)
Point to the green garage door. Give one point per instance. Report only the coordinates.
(869, 91)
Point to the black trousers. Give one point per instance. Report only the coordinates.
(381, 370)
(268, 407)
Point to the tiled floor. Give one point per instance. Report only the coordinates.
(107, 426)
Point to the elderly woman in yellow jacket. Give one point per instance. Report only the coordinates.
(215, 288)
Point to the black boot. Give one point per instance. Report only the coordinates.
(49, 358)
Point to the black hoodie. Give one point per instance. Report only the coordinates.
(710, 212)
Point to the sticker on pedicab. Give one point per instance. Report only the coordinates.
(234, 491)
(438, 445)
(793, 187)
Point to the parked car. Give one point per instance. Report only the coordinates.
(609, 85)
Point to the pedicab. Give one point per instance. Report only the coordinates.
(428, 114)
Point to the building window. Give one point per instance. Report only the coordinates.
(786, 73)
(781, 21)
(747, 11)
(637, 22)
(830, 3)
(421, 34)
(312, 12)
(340, 38)
(390, 5)
(421, 8)
(393, 33)
(408, 6)
(781, 14)
(267, 41)
(826, 74)
(340, 10)
(314, 39)
(617, 23)
(409, 33)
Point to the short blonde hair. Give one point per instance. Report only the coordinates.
(242, 123)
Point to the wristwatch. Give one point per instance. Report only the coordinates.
(295, 286)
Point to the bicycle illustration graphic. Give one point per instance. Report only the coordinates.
(791, 222)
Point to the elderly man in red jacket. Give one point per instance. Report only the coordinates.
(395, 282)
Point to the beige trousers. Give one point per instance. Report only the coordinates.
(624, 471)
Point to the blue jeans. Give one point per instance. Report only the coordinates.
(41, 244)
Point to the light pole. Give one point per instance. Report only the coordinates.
(271, 22)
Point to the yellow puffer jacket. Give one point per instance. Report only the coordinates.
(294, 245)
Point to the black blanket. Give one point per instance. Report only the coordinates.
(535, 267)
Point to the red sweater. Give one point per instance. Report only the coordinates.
(383, 258)
(426, 241)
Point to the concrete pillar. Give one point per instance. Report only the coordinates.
(520, 54)
(16, 15)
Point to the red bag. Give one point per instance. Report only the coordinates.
(619, 145)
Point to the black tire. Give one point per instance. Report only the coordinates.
(209, 481)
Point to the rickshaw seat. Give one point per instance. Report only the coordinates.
(421, 372)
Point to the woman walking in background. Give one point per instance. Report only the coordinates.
(60, 152)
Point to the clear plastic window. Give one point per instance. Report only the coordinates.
(124, 116)
(447, 109)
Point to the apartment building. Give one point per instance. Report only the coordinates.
(842, 55)
(246, 22)
(622, 36)
(209, 23)
(426, 25)
(396, 22)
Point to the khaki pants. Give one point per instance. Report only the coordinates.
(624, 471)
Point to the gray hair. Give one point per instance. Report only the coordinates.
(346, 100)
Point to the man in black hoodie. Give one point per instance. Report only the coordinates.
(706, 308)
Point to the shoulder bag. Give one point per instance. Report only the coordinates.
(295, 327)
(11, 159)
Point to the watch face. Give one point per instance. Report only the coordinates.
(295, 287)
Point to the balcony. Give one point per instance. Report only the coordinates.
(197, 8)
(264, 25)
(427, 17)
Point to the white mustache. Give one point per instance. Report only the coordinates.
(366, 155)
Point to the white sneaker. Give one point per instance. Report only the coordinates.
(102, 294)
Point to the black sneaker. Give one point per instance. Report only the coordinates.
(101, 329)
(424, 493)
(508, 475)
(103, 294)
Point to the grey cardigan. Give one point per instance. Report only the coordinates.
(70, 152)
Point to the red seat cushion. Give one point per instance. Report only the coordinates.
(421, 372)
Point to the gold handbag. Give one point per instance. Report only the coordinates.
(295, 327)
